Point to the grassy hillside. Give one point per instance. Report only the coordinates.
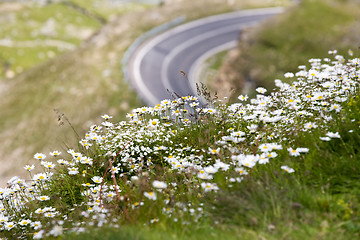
(282, 165)
(32, 34)
(306, 31)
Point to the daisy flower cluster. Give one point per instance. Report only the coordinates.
(162, 153)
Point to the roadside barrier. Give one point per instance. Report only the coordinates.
(140, 40)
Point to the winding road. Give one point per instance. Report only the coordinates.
(155, 67)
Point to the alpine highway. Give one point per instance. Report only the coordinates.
(154, 69)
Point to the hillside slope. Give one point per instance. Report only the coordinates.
(83, 84)
(306, 31)
(283, 165)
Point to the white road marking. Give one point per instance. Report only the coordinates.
(195, 70)
(180, 48)
(137, 78)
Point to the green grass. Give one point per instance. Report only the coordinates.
(215, 62)
(308, 31)
(305, 31)
(173, 232)
(28, 27)
(319, 201)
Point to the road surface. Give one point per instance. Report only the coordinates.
(155, 67)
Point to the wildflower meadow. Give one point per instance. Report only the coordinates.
(285, 157)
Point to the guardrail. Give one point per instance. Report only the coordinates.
(140, 40)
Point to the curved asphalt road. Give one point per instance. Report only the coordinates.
(156, 65)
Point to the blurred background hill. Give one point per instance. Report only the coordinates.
(306, 30)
